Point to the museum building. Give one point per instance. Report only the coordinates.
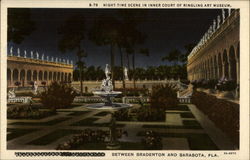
(24, 71)
(216, 56)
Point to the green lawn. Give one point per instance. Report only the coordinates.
(48, 123)
(17, 132)
(49, 138)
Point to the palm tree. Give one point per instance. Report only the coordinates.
(72, 35)
(105, 31)
(173, 56)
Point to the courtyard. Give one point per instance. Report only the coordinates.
(185, 128)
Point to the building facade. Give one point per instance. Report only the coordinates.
(217, 55)
(26, 70)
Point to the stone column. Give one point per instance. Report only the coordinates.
(238, 71)
(229, 70)
(11, 77)
(223, 70)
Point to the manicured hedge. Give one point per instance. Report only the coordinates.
(223, 113)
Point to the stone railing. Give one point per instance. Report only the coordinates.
(135, 99)
(95, 99)
(184, 100)
(19, 100)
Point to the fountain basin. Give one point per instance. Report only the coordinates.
(112, 107)
(107, 94)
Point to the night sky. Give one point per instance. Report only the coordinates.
(166, 29)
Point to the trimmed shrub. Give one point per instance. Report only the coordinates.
(57, 96)
(223, 113)
(163, 96)
(149, 113)
(152, 141)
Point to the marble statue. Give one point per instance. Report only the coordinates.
(31, 54)
(214, 25)
(42, 57)
(11, 51)
(52, 59)
(229, 11)
(59, 60)
(125, 73)
(56, 60)
(67, 61)
(71, 62)
(37, 55)
(18, 52)
(25, 54)
(11, 93)
(223, 15)
(47, 58)
(218, 21)
(107, 83)
(35, 87)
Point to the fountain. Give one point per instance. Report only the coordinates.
(107, 93)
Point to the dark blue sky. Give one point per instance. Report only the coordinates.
(166, 29)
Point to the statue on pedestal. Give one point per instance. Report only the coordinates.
(11, 51)
(35, 87)
(125, 73)
(37, 55)
(11, 93)
(214, 25)
(25, 54)
(47, 58)
(52, 59)
(218, 21)
(223, 16)
(56, 60)
(18, 52)
(42, 57)
(31, 54)
(229, 12)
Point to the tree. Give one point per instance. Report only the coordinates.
(19, 24)
(174, 56)
(72, 35)
(105, 31)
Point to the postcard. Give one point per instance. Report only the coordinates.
(120, 80)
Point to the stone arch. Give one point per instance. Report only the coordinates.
(225, 65)
(220, 66)
(62, 76)
(58, 76)
(22, 77)
(215, 64)
(50, 76)
(9, 74)
(40, 76)
(54, 76)
(15, 75)
(45, 75)
(34, 75)
(29, 75)
(232, 63)
(65, 77)
(69, 77)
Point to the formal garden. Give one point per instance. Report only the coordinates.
(54, 119)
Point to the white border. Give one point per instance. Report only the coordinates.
(242, 154)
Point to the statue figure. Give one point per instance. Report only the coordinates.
(37, 55)
(107, 83)
(218, 21)
(11, 93)
(52, 59)
(223, 15)
(71, 62)
(25, 54)
(42, 57)
(11, 51)
(56, 60)
(47, 58)
(31, 54)
(107, 71)
(35, 87)
(229, 12)
(18, 52)
(63, 60)
(214, 25)
(67, 61)
(125, 73)
(59, 60)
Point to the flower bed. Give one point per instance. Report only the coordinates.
(223, 113)
(26, 112)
